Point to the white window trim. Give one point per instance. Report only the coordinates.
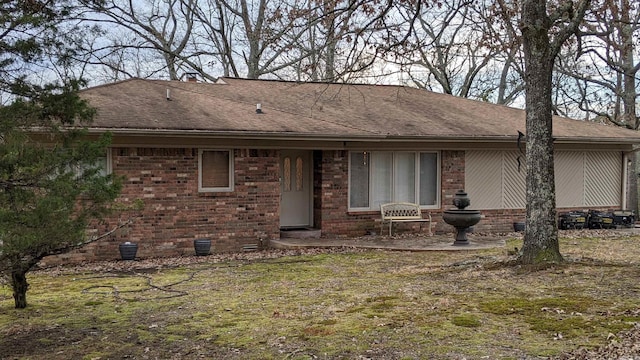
(416, 182)
(215, 189)
(108, 170)
(438, 179)
(109, 165)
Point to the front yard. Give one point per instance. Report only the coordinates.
(344, 304)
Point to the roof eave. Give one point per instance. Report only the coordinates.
(597, 140)
(295, 135)
(367, 137)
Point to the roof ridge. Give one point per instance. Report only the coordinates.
(314, 82)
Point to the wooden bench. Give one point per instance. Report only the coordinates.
(402, 212)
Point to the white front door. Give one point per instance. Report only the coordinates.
(295, 188)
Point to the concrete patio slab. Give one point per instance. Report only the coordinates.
(411, 243)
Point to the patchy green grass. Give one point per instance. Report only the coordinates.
(373, 304)
(466, 320)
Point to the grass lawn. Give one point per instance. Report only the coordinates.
(332, 305)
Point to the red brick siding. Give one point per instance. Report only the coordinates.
(331, 200)
(336, 220)
(451, 180)
(331, 169)
(175, 213)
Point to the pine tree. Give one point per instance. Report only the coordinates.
(52, 184)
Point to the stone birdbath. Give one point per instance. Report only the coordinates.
(460, 218)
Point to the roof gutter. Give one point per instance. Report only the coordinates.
(287, 136)
(331, 137)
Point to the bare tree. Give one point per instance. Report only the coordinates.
(503, 37)
(114, 56)
(460, 47)
(163, 26)
(603, 64)
(215, 35)
(447, 53)
(544, 31)
(320, 40)
(331, 26)
(251, 36)
(603, 68)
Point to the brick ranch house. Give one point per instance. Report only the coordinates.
(238, 161)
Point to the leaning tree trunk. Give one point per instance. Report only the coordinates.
(541, 234)
(20, 286)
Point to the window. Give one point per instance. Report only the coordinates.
(384, 176)
(288, 176)
(102, 164)
(216, 170)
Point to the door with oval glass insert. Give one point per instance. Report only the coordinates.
(295, 188)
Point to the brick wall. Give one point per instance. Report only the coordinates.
(175, 213)
(331, 172)
(451, 180)
(331, 200)
(332, 209)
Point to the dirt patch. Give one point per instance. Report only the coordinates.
(35, 341)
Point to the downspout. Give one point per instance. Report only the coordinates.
(625, 169)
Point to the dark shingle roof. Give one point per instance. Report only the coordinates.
(318, 109)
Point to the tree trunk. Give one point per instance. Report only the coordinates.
(170, 61)
(19, 285)
(331, 45)
(254, 37)
(541, 234)
(629, 99)
(330, 66)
